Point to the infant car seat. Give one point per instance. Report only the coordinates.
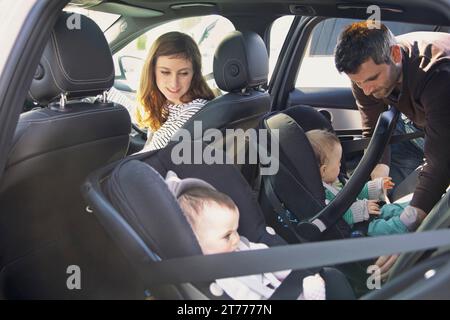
(293, 199)
(297, 186)
(134, 204)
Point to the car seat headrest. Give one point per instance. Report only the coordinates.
(241, 61)
(76, 61)
(144, 200)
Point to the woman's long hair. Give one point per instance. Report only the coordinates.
(152, 112)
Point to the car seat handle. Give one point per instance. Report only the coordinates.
(344, 199)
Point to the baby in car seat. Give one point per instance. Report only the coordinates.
(214, 217)
(389, 217)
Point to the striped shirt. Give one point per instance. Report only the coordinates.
(178, 115)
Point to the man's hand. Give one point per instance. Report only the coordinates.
(421, 214)
(385, 264)
(412, 217)
(380, 170)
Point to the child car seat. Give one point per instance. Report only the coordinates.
(295, 193)
(293, 199)
(133, 203)
(297, 185)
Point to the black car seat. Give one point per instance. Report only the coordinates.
(294, 196)
(297, 184)
(241, 67)
(293, 199)
(44, 227)
(133, 203)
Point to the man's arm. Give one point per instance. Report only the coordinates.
(370, 110)
(435, 176)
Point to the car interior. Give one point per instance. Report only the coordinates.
(74, 191)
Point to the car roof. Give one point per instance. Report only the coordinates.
(435, 12)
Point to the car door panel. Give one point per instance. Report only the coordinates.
(339, 102)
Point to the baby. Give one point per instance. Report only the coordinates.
(391, 218)
(214, 219)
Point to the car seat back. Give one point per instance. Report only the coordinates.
(241, 67)
(44, 227)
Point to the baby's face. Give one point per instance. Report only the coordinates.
(216, 229)
(330, 170)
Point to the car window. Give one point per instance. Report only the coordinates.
(317, 68)
(278, 32)
(207, 31)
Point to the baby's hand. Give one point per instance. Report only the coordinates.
(387, 183)
(373, 207)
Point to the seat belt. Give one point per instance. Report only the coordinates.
(298, 256)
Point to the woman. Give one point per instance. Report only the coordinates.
(172, 88)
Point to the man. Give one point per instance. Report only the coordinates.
(412, 73)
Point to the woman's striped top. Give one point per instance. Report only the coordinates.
(178, 115)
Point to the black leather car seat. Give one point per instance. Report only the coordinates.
(241, 67)
(44, 227)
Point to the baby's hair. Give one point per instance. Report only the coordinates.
(323, 143)
(192, 201)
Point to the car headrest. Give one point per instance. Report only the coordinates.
(241, 61)
(76, 61)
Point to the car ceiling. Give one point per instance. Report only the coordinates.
(435, 12)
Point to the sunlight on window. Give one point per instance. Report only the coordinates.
(278, 33)
(318, 69)
(207, 31)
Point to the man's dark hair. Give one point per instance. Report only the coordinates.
(358, 42)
